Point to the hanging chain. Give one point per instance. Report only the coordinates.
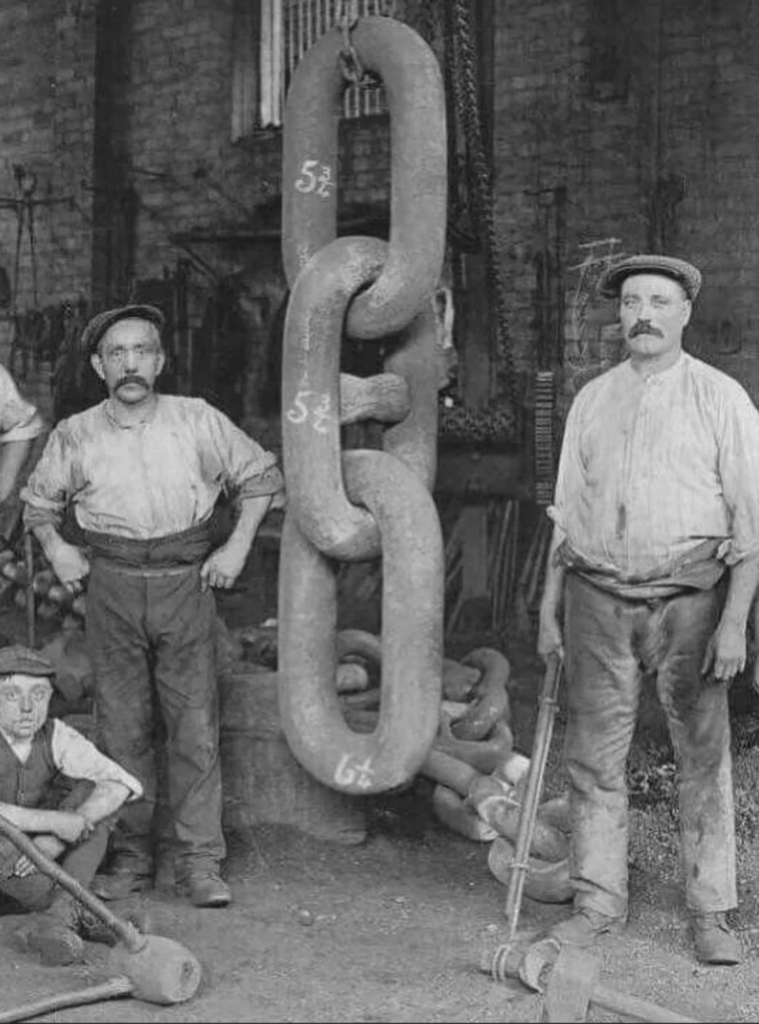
(481, 193)
(350, 64)
(359, 505)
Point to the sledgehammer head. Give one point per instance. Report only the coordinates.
(160, 969)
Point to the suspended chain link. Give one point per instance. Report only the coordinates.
(357, 505)
(350, 64)
(470, 115)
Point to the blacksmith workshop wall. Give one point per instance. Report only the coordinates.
(645, 114)
(46, 77)
(188, 172)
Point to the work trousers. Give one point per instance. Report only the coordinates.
(610, 643)
(150, 636)
(81, 861)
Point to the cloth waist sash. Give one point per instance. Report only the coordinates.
(698, 569)
(175, 550)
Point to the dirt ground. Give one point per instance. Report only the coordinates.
(393, 930)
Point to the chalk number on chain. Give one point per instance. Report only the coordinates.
(315, 177)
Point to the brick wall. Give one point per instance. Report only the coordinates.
(646, 118)
(46, 127)
(189, 175)
(612, 121)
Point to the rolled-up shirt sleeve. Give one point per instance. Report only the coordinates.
(19, 419)
(250, 471)
(738, 426)
(79, 758)
(50, 485)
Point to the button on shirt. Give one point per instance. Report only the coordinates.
(652, 466)
(150, 480)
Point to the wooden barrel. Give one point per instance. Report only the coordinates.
(262, 781)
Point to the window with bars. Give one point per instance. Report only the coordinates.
(270, 38)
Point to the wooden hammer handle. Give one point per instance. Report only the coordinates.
(119, 986)
(630, 1007)
(125, 931)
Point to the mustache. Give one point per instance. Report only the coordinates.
(644, 327)
(131, 378)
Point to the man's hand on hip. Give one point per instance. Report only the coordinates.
(726, 652)
(222, 567)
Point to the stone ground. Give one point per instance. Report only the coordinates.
(392, 930)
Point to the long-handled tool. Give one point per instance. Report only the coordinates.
(567, 977)
(538, 758)
(149, 967)
(31, 618)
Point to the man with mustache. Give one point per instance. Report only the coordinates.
(142, 473)
(653, 566)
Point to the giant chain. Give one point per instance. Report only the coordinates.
(358, 505)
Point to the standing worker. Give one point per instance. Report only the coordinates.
(654, 561)
(142, 472)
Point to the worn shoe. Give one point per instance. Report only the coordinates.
(56, 944)
(715, 942)
(585, 926)
(206, 889)
(121, 884)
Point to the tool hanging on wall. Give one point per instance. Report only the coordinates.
(27, 329)
(463, 80)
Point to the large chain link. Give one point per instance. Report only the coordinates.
(359, 505)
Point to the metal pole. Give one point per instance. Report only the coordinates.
(527, 817)
(31, 618)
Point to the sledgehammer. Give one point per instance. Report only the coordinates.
(149, 967)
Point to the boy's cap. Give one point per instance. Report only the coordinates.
(99, 324)
(684, 273)
(19, 660)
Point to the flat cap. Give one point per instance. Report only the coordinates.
(100, 323)
(684, 273)
(17, 659)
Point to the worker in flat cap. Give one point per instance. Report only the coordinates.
(68, 823)
(652, 569)
(143, 472)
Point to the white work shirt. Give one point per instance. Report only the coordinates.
(79, 758)
(652, 466)
(151, 480)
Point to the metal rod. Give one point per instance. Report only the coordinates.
(528, 814)
(31, 618)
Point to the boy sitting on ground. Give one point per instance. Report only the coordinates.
(38, 757)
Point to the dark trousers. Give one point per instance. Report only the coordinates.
(609, 643)
(36, 891)
(151, 642)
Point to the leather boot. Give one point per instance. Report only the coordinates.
(55, 934)
(715, 942)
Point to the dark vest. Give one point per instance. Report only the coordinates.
(28, 785)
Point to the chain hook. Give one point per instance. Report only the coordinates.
(350, 63)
